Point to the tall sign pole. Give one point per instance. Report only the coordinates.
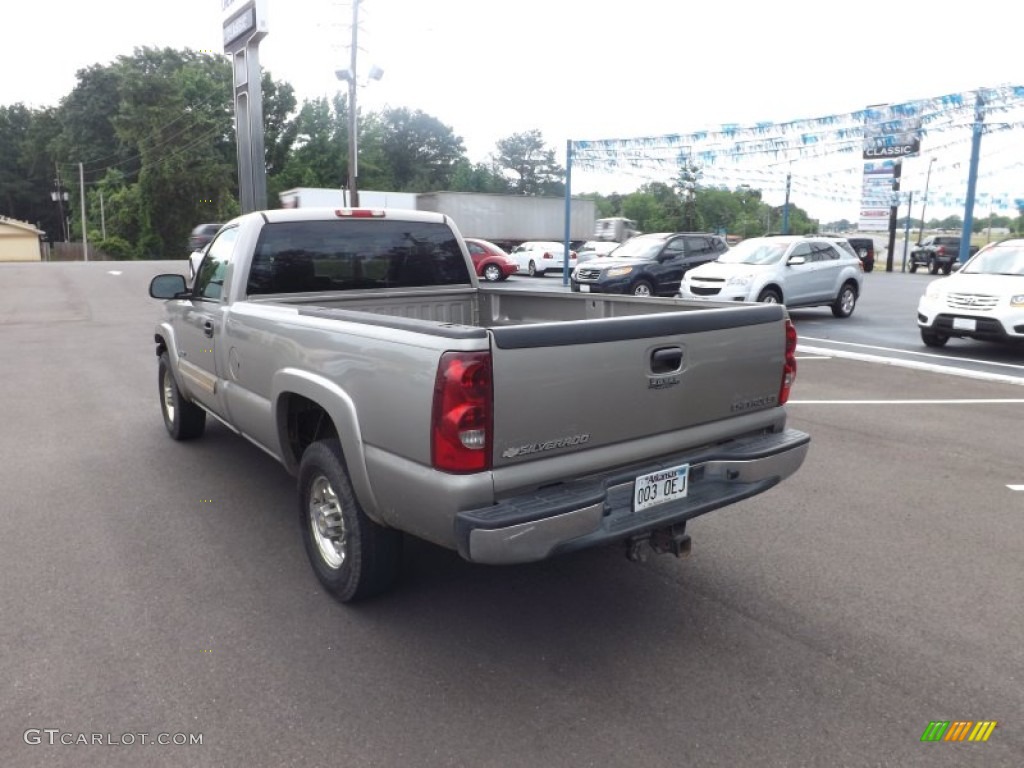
(245, 25)
(972, 178)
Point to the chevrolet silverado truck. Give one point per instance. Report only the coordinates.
(358, 349)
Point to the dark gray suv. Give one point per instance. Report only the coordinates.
(648, 265)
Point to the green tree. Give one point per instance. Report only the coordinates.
(421, 152)
(531, 164)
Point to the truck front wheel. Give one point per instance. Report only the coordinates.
(184, 420)
(913, 264)
(933, 266)
(352, 556)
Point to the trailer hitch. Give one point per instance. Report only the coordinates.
(672, 539)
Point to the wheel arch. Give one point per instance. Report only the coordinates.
(307, 408)
(773, 286)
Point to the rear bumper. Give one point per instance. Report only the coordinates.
(599, 509)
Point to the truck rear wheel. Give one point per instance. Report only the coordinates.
(352, 556)
(933, 266)
(184, 420)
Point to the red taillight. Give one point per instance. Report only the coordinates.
(461, 428)
(359, 213)
(941, 250)
(789, 365)
(547, 256)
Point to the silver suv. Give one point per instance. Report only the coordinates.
(794, 270)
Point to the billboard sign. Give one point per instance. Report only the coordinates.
(890, 135)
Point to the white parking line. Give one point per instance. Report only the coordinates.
(903, 352)
(113, 271)
(1016, 487)
(946, 369)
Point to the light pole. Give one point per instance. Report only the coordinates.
(353, 125)
(924, 202)
(59, 195)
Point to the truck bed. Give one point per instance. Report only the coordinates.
(489, 308)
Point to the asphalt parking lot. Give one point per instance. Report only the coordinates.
(152, 587)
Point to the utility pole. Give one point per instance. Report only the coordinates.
(103, 218)
(906, 230)
(353, 147)
(85, 228)
(893, 213)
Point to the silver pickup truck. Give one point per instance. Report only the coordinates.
(357, 348)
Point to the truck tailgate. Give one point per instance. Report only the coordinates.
(630, 377)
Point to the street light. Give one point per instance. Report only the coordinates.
(924, 202)
(59, 195)
(376, 73)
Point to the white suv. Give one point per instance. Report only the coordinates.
(984, 300)
(790, 269)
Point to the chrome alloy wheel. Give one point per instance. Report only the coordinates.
(847, 300)
(168, 390)
(327, 523)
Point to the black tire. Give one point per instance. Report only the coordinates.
(933, 266)
(532, 269)
(846, 301)
(642, 288)
(184, 420)
(492, 273)
(913, 265)
(933, 338)
(947, 269)
(770, 296)
(352, 556)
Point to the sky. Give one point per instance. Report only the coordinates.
(594, 70)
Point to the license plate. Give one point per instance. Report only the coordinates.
(660, 487)
(965, 324)
(584, 289)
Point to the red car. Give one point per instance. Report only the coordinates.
(491, 262)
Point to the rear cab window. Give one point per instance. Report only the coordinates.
(314, 256)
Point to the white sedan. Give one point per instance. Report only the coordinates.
(536, 257)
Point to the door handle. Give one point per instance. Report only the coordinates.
(208, 328)
(666, 360)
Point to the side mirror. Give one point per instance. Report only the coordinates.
(796, 261)
(168, 287)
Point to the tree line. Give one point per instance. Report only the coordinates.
(153, 134)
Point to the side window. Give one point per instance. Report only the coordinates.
(210, 280)
(476, 250)
(802, 249)
(674, 249)
(825, 252)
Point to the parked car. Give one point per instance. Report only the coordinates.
(202, 235)
(793, 270)
(594, 249)
(536, 257)
(865, 250)
(490, 261)
(983, 300)
(648, 265)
